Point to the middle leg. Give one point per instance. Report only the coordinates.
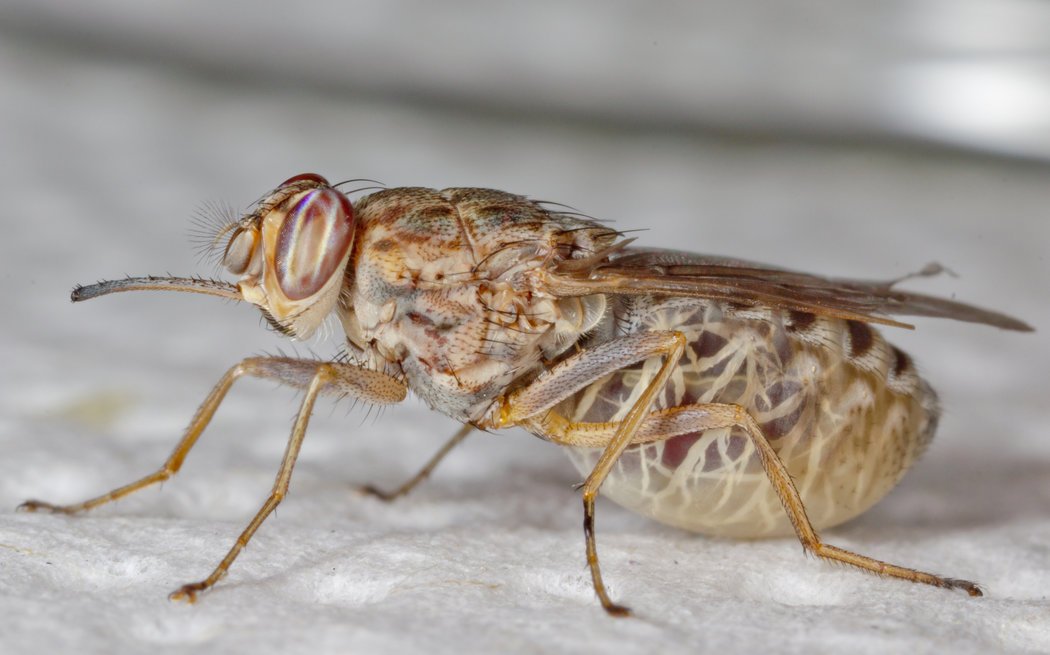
(526, 406)
(424, 473)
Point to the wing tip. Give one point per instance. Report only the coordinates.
(1015, 324)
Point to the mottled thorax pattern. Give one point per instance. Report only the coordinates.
(443, 290)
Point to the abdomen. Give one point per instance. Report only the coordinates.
(844, 410)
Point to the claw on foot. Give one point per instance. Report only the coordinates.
(41, 506)
(375, 492)
(971, 588)
(617, 610)
(187, 593)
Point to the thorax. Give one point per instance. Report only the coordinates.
(443, 290)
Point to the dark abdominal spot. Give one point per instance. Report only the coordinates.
(779, 393)
(901, 362)
(708, 345)
(677, 448)
(779, 427)
(861, 338)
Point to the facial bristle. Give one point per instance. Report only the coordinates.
(210, 223)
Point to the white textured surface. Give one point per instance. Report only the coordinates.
(103, 161)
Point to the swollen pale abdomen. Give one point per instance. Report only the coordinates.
(844, 410)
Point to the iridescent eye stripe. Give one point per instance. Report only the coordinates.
(291, 243)
(312, 242)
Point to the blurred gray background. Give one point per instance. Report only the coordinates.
(859, 139)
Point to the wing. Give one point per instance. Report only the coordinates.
(630, 271)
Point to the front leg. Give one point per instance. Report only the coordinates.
(313, 376)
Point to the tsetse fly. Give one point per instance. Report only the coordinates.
(712, 394)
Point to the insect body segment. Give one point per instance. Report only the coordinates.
(446, 292)
(712, 394)
(844, 410)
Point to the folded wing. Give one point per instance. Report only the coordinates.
(666, 272)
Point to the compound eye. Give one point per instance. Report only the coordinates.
(313, 241)
(239, 250)
(305, 177)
